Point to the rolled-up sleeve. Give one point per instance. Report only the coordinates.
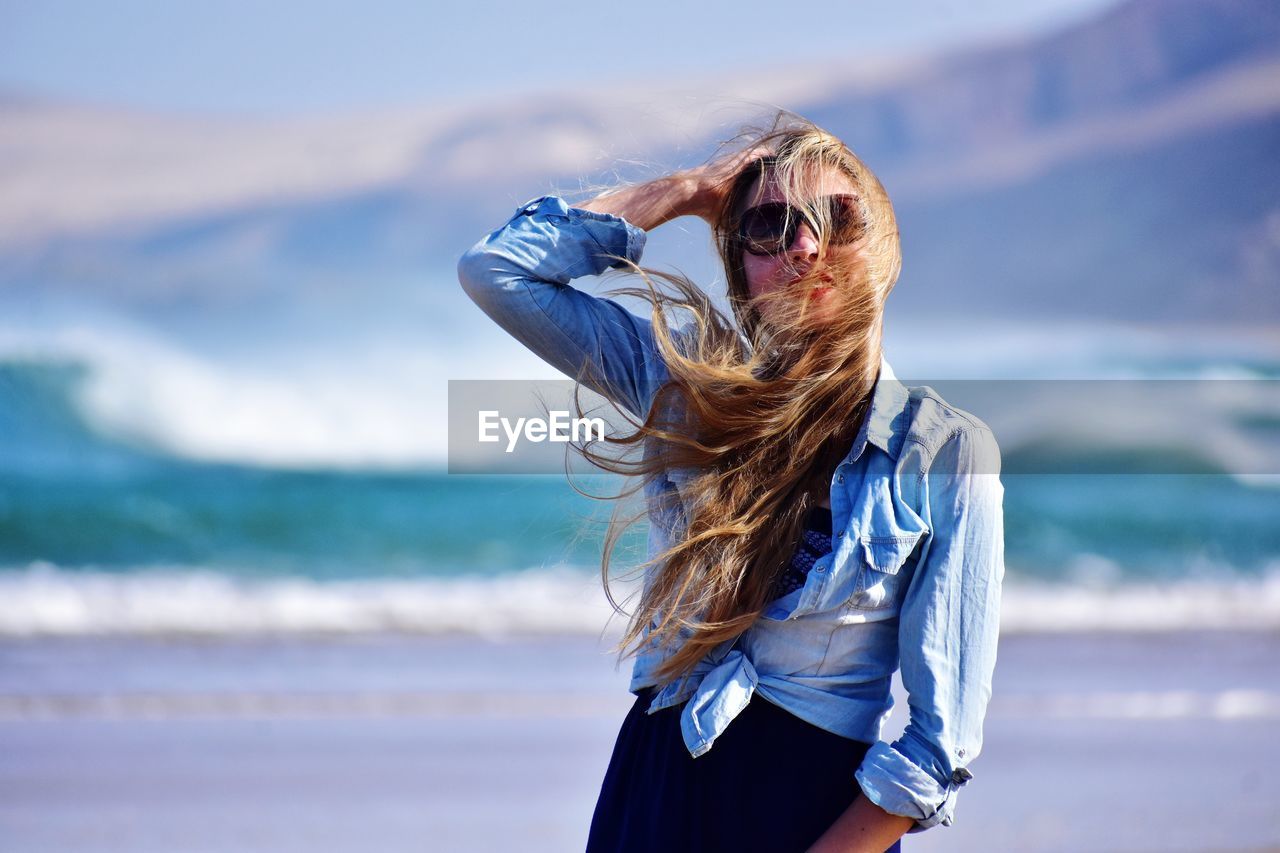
(948, 631)
(519, 276)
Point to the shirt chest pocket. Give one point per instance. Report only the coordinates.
(669, 498)
(880, 560)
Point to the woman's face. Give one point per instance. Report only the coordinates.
(814, 272)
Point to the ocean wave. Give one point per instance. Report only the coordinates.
(1084, 349)
(369, 407)
(1208, 603)
(382, 403)
(44, 600)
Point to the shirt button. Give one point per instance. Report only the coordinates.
(839, 478)
(819, 566)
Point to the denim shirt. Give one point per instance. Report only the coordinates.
(917, 561)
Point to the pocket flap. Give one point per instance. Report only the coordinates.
(680, 476)
(888, 553)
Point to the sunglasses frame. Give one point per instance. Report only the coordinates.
(790, 219)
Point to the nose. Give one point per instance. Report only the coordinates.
(805, 244)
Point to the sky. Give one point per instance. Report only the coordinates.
(297, 57)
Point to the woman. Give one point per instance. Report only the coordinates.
(814, 524)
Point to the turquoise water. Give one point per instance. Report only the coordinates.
(74, 497)
(76, 501)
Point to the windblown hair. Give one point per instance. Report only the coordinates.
(759, 412)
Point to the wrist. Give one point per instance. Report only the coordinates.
(700, 194)
(685, 193)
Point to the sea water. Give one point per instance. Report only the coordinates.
(155, 495)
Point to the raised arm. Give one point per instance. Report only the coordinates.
(694, 192)
(519, 275)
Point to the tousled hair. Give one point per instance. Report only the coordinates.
(759, 408)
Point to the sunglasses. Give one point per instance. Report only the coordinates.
(769, 229)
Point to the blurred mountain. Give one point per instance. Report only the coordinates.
(1125, 168)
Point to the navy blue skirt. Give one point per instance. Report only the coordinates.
(771, 782)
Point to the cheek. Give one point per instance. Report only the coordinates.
(761, 273)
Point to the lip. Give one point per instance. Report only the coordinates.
(824, 285)
(827, 280)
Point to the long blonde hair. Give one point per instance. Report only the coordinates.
(761, 412)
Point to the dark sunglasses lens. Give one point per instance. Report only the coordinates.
(845, 219)
(767, 229)
(770, 228)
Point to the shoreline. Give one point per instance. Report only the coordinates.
(1093, 740)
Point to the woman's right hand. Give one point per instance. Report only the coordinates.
(699, 191)
(710, 183)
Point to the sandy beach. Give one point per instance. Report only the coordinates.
(1109, 742)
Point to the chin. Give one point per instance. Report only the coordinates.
(822, 306)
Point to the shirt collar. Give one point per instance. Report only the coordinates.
(886, 423)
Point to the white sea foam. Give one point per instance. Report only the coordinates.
(1154, 606)
(45, 600)
(368, 406)
(383, 404)
(922, 349)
